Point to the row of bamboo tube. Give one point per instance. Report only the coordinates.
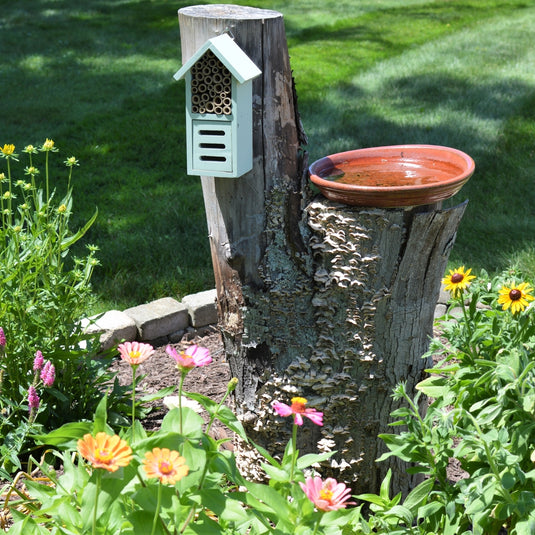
(211, 86)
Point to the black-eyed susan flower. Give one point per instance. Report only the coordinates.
(105, 451)
(458, 280)
(166, 465)
(515, 297)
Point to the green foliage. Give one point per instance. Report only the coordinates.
(482, 415)
(44, 294)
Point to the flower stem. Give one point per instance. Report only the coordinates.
(157, 512)
(316, 526)
(94, 528)
(134, 368)
(230, 387)
(180, 385)
(294, 451)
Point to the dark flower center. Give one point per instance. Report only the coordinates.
(515, 294)
(457, 277)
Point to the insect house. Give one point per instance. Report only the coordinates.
(219, 110)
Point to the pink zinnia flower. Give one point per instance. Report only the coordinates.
(135, 352)
(192, 357)
(2, 338)
(33, 398)
(298, 409)
(48, 374)
(328, 495)
(38, 361)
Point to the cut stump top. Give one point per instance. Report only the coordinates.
(228, 11)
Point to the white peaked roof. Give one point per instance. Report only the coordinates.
(229, 53)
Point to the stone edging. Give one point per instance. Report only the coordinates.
(159, 322)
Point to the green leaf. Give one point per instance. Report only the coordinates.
(275, 473)
(270, 497)
(401, 512)
(429, 509)
(66, 243)
(433, 387)
(156, 395)
(66, 436)
(191, 422)
(142, 520)
(307, 460)
(101, 416)
(417, 497)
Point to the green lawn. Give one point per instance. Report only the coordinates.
(97, 78)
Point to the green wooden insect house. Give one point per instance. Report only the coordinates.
(219, 109)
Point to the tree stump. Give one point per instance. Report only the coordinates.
(329, 302)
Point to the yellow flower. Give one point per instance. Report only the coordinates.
(48, 145)
(457, 281)
(30, 149)
(105, 451)
(71, 161)
(166, 465)
(31, 170)
(62, 208)
(515, 297)
(8, 150)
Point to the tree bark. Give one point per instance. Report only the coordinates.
(324, 301)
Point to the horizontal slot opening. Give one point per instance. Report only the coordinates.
(213, 159)
(212, 132)
(212, 145)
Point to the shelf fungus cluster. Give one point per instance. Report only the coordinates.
(367, 323)
(211, 86)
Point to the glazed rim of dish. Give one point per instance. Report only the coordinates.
(437, 153)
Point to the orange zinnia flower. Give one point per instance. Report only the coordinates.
(166, 465)
(105, 451)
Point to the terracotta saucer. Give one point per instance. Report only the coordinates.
(392, 176)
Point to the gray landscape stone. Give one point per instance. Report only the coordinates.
(202, 308)
(114, 326)
(159, 318)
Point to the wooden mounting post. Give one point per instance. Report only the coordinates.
(329, 302)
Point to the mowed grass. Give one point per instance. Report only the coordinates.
(97, 78)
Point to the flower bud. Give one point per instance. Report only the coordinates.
(33, 398)
(232, 384)
(38, 361)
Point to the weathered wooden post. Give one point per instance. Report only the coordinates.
(329, 302)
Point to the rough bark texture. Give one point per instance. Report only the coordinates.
(330, 302)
